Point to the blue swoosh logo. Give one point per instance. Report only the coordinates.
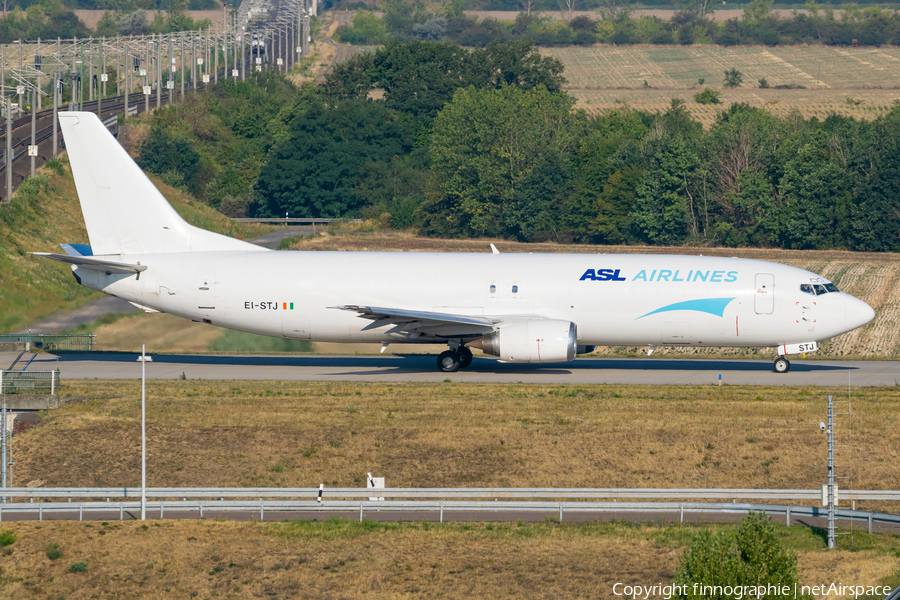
(713, 306)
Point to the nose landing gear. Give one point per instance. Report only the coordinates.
(450, 361)
(781, 365)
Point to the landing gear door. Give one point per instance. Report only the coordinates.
(764, 299)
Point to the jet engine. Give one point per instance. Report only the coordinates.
(538, 340)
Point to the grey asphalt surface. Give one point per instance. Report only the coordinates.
(423, 368)
(88, 313)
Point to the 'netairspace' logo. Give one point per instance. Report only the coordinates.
(645, 592)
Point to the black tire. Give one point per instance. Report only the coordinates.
(465, 357)
(781, 365)
(448, 361)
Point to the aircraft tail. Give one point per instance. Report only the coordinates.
(123, 211)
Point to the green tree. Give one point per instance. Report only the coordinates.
(707, 96)
(399, 17)
(733, 78)
(665, 211)
(498, 159)
(107, 25)
(314, 171)
(170, 155)
(816, 200)
(757, 10)
(751, 555)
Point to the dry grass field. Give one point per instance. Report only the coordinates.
(301, 434)
(858, 82)
(337, 559)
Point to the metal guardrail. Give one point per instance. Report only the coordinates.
(78, 341)
(613, 494)
(559, 509)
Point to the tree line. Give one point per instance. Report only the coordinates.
(870, 26)
(485, 143)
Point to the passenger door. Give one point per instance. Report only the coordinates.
(764, 299)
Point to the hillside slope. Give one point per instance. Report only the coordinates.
(44, 213)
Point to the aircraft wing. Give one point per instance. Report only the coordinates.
(107, 266)
(421, 321)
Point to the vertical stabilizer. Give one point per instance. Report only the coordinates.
(123, 211)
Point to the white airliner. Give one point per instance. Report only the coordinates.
(529, 308)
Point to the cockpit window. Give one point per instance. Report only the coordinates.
(818, 289)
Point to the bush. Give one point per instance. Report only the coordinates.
(763, 83)
(707, 96)
(733, 78)
(54, 551)
(7, 538)
(751, 555)
(78, 567)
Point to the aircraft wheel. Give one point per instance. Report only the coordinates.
(465, 357)
(782, 365)
(448, 361)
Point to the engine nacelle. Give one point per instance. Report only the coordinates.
(538, 340)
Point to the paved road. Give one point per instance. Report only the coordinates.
(422, 368)
(88, 313)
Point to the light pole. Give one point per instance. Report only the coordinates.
(143, 433)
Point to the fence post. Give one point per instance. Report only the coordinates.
(788, 519)
(870, 523)
(682, 514)
(1, 381)
(360, 511)
(52, 383)
(262, 511)
(121, 510)
(201, 509)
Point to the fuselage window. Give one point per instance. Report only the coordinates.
(515, 289)
(807, 288)
(493, 289)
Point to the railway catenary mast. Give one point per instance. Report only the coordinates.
(135, 61)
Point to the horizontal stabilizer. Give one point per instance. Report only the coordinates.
(77, 249)
(107, 266)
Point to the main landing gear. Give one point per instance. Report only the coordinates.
(452, 361)
(781, 365)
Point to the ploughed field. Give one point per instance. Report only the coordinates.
(816, 81)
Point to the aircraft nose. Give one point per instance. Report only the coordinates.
(857, 312)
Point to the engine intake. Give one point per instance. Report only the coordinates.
(538, 340)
